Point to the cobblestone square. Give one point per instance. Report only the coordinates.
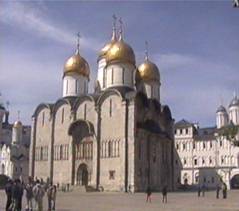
(106, 201)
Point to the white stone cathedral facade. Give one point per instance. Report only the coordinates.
(202, 156)
(14, 147)
(118, 138)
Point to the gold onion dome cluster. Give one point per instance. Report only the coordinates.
(148, 71)
(77, 64)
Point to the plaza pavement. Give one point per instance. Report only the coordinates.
(178, 201)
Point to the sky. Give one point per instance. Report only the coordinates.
(195, 44)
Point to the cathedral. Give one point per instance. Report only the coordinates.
(117, 138)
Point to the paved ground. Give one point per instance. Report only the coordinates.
(79, 201)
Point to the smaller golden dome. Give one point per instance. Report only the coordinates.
(148, 71)
(77, 64)
(120, 51)
(17, 124)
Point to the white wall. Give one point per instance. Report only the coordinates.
(118, 75)
(74, 85)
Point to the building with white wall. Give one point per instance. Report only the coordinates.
(14, 147)
(204, 157)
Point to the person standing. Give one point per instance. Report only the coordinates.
(17, 192)
(224, 190)
(29, 194)
(203, 189)
(199, 190)
(149, 193)
(8, 190)
(164, 193)
(38, 194)
(51, 195)
(218, 188)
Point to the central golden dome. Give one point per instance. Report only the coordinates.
(77, 64)
(105, 49)
(148, 71)
(120, 52)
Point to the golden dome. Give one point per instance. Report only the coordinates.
(148, 71)
(105, 49)
(17, 124)
(120, 51)
(77, 64)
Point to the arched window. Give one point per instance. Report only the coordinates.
(110, 150)
(61, 152)
(123, 70)
(112, 76)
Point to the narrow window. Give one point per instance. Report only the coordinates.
(62, 115)
(195, 162)
(204, 145)
(85, 107)
(61, 152)
(43, 118)
(110, 148)
(123, 70)
(110, 107)
(177, 146)
(76, 86)
(132, 78)
(186, 130)
(112, 76)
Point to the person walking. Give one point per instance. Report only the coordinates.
(38, 194)
(29, 194)
(51, 196)
(8, 190)
(149, 193)
(164, 193)
(218, 188)
(17, 193)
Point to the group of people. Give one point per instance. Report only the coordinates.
(223, 187)
(34, 192)
(164, 194)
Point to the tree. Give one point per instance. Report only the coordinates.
(231, 132)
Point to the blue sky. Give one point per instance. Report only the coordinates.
(194, 43)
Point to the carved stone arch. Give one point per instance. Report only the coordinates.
(60, 102)
(42, 106)
(108, 93)
(85, 126)
(82, 99)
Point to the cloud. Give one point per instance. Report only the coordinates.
(22, 15)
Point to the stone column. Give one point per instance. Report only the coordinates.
(32, 148)
(131, 146)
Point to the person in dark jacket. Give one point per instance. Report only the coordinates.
(224, 190)
(218, 188)
(17, 193)
(149, 193)
(164, 193)
(8, 190)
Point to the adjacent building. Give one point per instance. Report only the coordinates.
(14, 147)
(204, 157)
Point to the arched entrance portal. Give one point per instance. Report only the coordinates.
(235, 182)
(82, 175)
